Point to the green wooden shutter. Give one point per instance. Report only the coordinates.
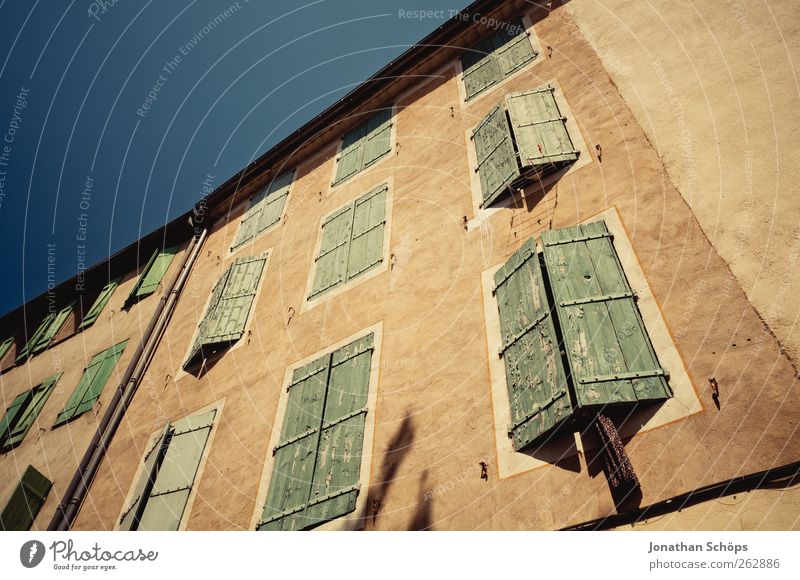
(5, 346)
(366, 245)
(351, 156)
(275, 201)
(295, 454)
(14, 411)
(153, 273)
(338, 464)
(512, 48)
(378, 140)
(26, 501)
(53, 328)
(33, 341)
(249, 223)
(497, 160)
(539, 128)
(208, 322)
(334, 249)
(94, 378)
(99, 303)
(30, 410)
(177, 473)
(610, 354)
(481, 69)
(132, 515)
(535, 377)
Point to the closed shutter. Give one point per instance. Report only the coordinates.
(296, 451)
(351, 156)
(177, 473)
(132, 515)
(378, 140)
(535, 377)
(91, 384)
(512, 47)
(231, 302)
(497, 160)
(25, 419)
(334, 249)
(26, 501)
(539, 128)
(249, 224)
(99, 303)
(611, 357)
(5, 346)
(14, 411)
(338, 465)
(53, 328)
(265, 210)
(153, 273)
(366, 245)
(33, 341)
(481, 69)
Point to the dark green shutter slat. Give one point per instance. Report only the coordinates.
(535, 377)
(377, 141)
(84, 384)
(24, 421)
(481, 69)
(99, 303)
(331, 267)
(607, 344)
(366, 245)
(14, 410)
(513, 51)
(155, 273)
(5, 346)
(53, 328)
(351, 156)
(177, 473)
(293, 468)
(539, 128)
(135, 291)
(35, 338)
(26, 501)
(497, 161)
(141, 491)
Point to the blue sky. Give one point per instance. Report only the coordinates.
(87, 152)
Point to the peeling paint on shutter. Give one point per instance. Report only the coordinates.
(18, 427)
(378, 139)
(295, 454)
(513, 48)
(351, 156)
(177, 473)
(609, 350)
(132, 515)
(34, 339)
(331, 267)
(99, 303)
(537, 383)
(26, 501)
(208, 321)
(481, 69)
(497, 161)
(366, 244)
(539, 128)
(154, 272)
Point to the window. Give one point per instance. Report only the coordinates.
(153, 272)
(609, 360)
(317, 465)
(352, 241)
(47, 331)
(170, 466)
(226, 315)
(23, 411)
(494, 58)
(364, 145)
(91, 384)
(5, 346)
(99, 303)
(26, 501)
(523, 137)
(266, 209)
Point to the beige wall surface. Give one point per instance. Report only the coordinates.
(434, 422)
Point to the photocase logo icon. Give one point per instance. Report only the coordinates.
(31, 553)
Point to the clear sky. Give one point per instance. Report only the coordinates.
(90, 161)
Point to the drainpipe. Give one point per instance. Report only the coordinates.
(82, 479)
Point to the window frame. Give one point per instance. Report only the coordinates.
(334, 183)
(46, 388)
(246, 206)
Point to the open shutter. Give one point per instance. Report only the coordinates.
(26, 418)
(249, 223)
(144, 485)
(26, 501)
(296, 451)
(53, 328)
(537, 383)
(9, 421)
(177, 473)
(378, 140)
(497, 160)
(99, 303)
(366, 245)
(5, 346)
(351, 156)
(83, 385)
(609, 351)
(275, 201)
(154, 272)
(334, 249)
(208, 322)
(481, 69)
(33, 341)
(100, 378)
(338, 466)
(539, 129)
(512, 47)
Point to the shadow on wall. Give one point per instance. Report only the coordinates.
(396, 451)
(422, 516)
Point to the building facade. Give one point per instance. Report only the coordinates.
(461, 298)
